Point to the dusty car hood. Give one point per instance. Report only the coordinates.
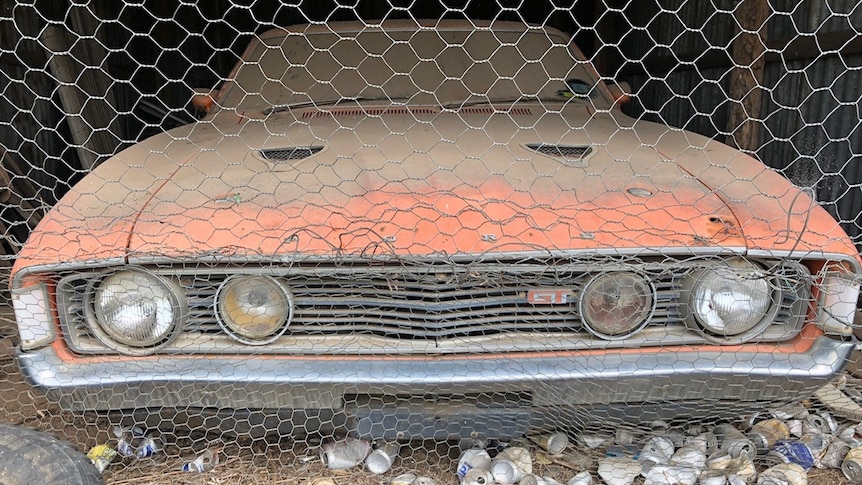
(451, 183)
(421, 183)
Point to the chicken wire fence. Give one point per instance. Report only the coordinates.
(273, 240)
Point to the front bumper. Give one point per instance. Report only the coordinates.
(579, 379)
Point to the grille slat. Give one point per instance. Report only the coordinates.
(423, 306)
(470, 321)
(375, 327)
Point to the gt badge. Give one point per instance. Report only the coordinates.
(549, 296)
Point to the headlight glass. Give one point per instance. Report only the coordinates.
(615, 305)
(254, 310)
(136, 309)
(731, 299)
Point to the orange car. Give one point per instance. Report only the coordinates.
(406, 228)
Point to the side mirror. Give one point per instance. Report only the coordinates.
(202, 99)
(621, 91)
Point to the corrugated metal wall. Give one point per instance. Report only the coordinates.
(812, 120)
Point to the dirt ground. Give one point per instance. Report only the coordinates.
(241, 460)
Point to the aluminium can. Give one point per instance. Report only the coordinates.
(734, 441)
(764, 434)
(791, 451)
(852, 465)
(834, 454)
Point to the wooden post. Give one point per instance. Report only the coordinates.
(16, 193)
(83, 87)
(746, 79)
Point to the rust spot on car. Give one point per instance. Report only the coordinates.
(725, 226)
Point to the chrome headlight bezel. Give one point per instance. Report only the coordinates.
(643, 315)
(279, 290)
(171, 299)
(727, 275)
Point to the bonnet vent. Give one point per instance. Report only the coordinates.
(568, 152)
(411, 110)
(370, 111)
(488, 110)
(289, 153)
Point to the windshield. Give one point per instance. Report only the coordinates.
(441, 67)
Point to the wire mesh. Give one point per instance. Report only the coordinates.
(474, 243)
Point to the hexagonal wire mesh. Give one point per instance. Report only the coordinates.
(434, 238)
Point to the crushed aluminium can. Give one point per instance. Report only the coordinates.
(656, 451)
(403, 479)
(147, 447)
(477, 476)
(834, 454)
(345, 453)
(205, 462)
(689, 457)
(852, 465)
(764, 434)
(473, 458)
(127, 438)
(623, 451)
(706, 442)
(381, 458)
(791, 451)
(734, 441)
(554, 443)
(101, 456)
(822, 423)
(783, 474)
(135, 441)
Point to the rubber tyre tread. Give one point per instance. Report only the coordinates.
(33, 457)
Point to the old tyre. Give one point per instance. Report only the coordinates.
(28, 456)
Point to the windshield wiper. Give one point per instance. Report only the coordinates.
(520, 99)
(326, 102)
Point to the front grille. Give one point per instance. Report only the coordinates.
(422, 309)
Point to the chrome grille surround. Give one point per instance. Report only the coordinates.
(431, 308)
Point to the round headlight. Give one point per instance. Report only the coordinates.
(135, 309)
(615, 305)
(730, 300)
(254, 310)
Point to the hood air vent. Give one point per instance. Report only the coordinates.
(370, 111)
(288, 153)
(488, 110)
(411, 110)
(570, 153)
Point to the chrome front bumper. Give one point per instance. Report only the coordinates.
(549, 380)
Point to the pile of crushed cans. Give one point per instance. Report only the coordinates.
(783, 445)
(135, 442)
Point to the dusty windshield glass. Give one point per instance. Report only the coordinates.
(442, 67)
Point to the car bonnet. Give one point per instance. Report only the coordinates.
(415, 182)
